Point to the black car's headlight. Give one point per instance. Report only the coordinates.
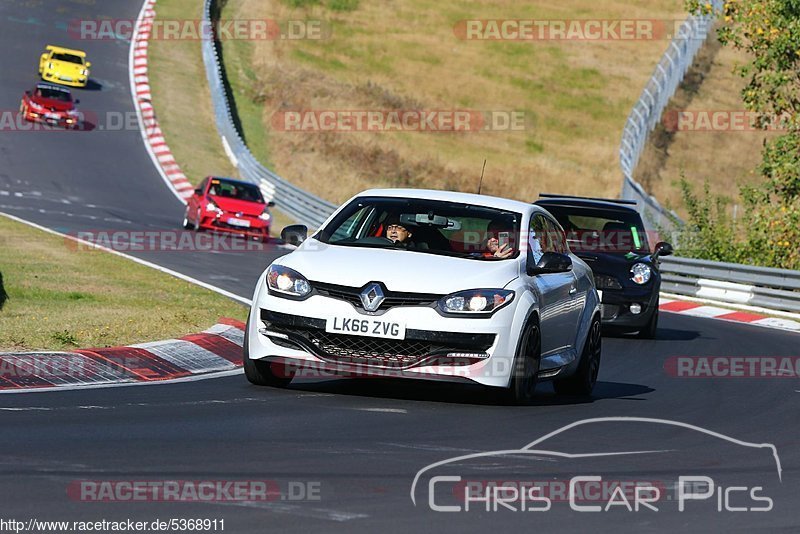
(640, 273)
(475, 302)
(286, 282)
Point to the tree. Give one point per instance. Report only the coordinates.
(769, 31)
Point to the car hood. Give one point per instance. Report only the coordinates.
(612, 263)
(67, 68)
(399, 270)
(235, 205)
(53, 104)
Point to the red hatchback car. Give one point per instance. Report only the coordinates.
(50, 104)
(228, 205)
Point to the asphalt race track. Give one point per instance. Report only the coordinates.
(343, 454)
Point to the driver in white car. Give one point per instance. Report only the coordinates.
(398, 233)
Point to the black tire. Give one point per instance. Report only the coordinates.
(263, 373)
(186, 224)
(582, 382)
(526, 367)
(649, 331)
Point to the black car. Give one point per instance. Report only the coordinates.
(610, 237)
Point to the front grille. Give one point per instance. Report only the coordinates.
(378, 352)
(223, 225)
(392, 298)
(370, 351)
(420, 346)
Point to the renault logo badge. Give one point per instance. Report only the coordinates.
(372, 296)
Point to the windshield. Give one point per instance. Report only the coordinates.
(69, 58)
(54, 94)
(237, 190)
(427, 226)
(601, 230)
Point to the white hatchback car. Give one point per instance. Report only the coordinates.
(430, 285)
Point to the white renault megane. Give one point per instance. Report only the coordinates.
(430, 285)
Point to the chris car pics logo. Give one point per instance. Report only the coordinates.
(451, 486)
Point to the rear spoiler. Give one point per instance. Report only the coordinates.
(614, 200)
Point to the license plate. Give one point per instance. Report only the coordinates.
(67, 78)
(600, 295)
(51, 116)
(366, 326)
(239, 222)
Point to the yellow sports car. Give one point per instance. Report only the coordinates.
(64, 66)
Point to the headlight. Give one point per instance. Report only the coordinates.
(265, 216)
(212, 207)
(640, 273)
(49, 65)
(289, 282)
(84, 72)
(475, 301)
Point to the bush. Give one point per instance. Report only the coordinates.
(767, 234)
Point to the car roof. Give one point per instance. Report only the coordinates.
(451, 196)
(586, 202)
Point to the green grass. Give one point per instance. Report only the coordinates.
(62, 297)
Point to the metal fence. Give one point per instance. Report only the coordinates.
(775, 289)
(648, 110)
(299, 204)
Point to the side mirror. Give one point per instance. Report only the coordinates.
(198, 191)
(663, 249)
(88, 64)
(271, 203)
(550, 262)
(294, 234)
(28, 93)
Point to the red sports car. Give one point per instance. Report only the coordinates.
(50, 104)
(227, 205)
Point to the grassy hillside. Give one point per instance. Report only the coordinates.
(404, 54)
(726, 159)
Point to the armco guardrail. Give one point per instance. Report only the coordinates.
(301, 205)
(648, 110)
(775, 289)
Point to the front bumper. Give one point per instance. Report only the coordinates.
(61, 121)
(217, 223)
(51, 76)
(435, 348)
(615, 306)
